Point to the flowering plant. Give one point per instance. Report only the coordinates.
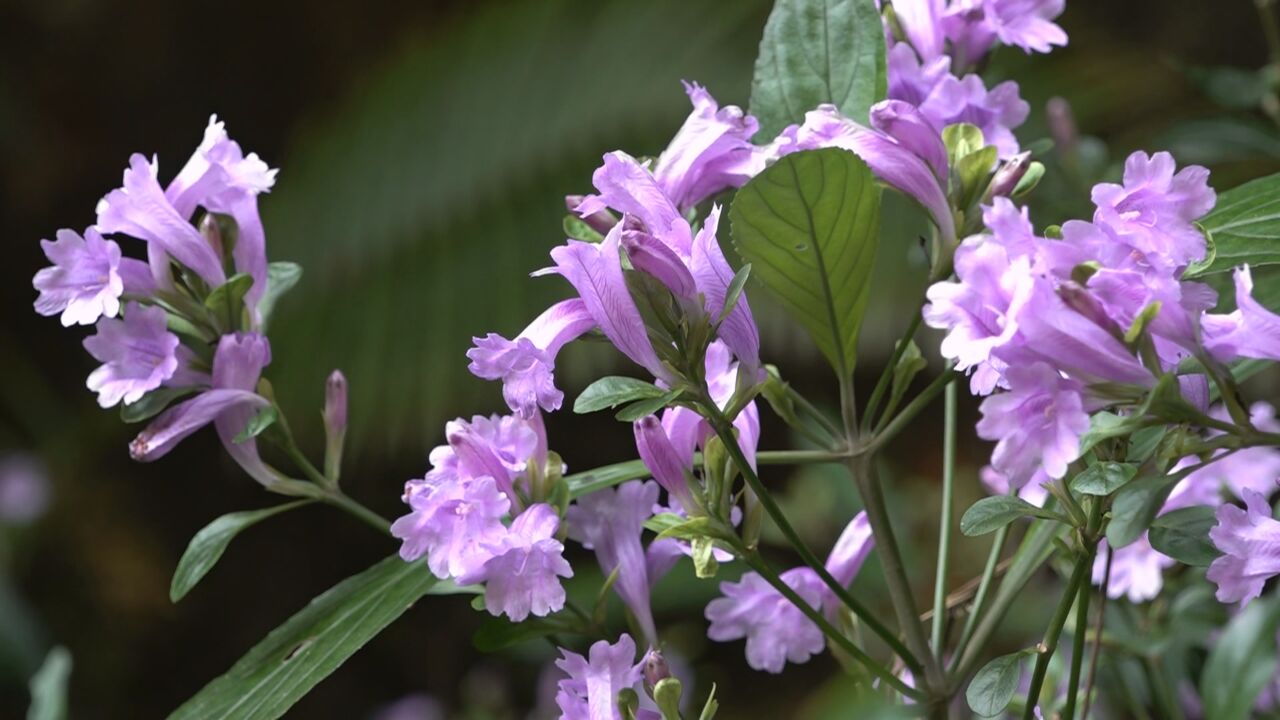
(1109, 368)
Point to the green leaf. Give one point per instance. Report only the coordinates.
(1241, 663)
(49, 687)
(711, 707)
(705, 564)
(667, 696)
(814, 52)
(1135, 505)
(498, 633)
(294, 657)
(974, 173)
(260, 421)
(1103, 478)
(206, 548)
(734, 292)
(614, 390)
(1104, 426)
(992, 688)
(577, 229)
(809, 227)
(1245, 225)
(993, 513)
(152, 404)
(281, 278)
(961, 141)
(226, 302)
(1183, 535)
(637, 410)
(684, 529)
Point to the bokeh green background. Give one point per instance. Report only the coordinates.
(425, 149)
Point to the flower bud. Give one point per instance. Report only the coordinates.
(335, 422)
(1008, 176)
(655, 670)
(601, 221)
(1078, 298)
(660, 457)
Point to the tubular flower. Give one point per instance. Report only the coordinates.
(1037, 423)
(523, 574)
(1250, 542)
(85, 281)
(591, 690)
(137, 352)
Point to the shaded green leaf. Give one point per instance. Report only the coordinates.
(614, 390)
(809, 227)
(814, 52)
(1241, 663)
(992, 688)
(1245, 224)
(637, 410)
(226, 302)
(498, 633)
(577, 229)
(49, 687)
(993, 513)
(152, 404)
(309, 646)
(281, 278)
(1103, 478)
(1135, 505)
(1183, 535)
(258, 422)
(206, 548)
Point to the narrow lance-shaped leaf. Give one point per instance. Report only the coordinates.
(814, 52)
(809, 226)
(294, 657)
(995, 512)
(1242, 662)
(614, 390)
(1245, 226)
(206, 548)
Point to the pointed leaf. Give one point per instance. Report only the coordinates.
(814, 52)
(206, 548)
(1103, 478)
(281, 278)
(612, 391)
(1183, 535)
(1245, 226)
(294, 657)
(809, 226)
(226, 302)
(1241, 663)
(993, 513)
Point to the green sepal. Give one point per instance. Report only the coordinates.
(261, 420)
(576, 228)
(152, 404)
(226, 303)
(666, 694)
(705, 564)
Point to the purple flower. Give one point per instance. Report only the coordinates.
(1250, 542)
(628, 187)
(911, 80)
(523, 576)
(1153, 211)
(847, 556)
(237, 365)
(711, 152)
(591, 690)
(909, 161)
(653, 257)
(84, 282)
(687, 430)
(921, 22)
(974, 25)
(1033, 491)
(1250, 331)
(610, 522)
(454, 522)
(137, 352)
(671, 469)
(1037, 423)
(777, 632)
(24, 488)
(526, 365)
(996, 112)
(1136, 570)
(595, 271)
(712, 276)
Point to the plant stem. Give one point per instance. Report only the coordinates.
(758, 564)
(724, 430)
(980, 599)
(1050, 642)
(1077, 644)
(897, 583)
(944, 519)
(814, 412)
(1097, 636)
(886, 377)
(588, 481)
(339, 500)
(892, 427)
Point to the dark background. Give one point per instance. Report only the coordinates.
(424, 151)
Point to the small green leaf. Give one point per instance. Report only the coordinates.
(666, 694)
(1029, 181)
(1242, 662)
(226, 302)
(576, 228)
(1103, 478)
(775, 393)
(260, 421)
(1104, 426)
(49, 687)
(309, 646)
(281, 278)
(1140, 322)
(734, 292)
(691, 529)
(1135, 505)
(961, 140)
(637, 410)
(152, 404)
(711, 707)
(206, 548)
(1183, 535)
(809, 226)
(704, 558)
(992, 688)
(993, 513)
(614, 390)
(974, 173)
(909, 365)
(1245, 225)
(815, 52)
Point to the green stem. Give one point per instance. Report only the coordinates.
(1077, 645)
(980, 598)
(886, 377)
(895, 571)
(758, 564)
(589, 481)
(1050, 642)
(810, 409)
(343, 502)
(900, 421)
(944, 519)
(1097, 635)
(724, 431)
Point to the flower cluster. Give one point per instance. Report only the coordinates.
(188, 320)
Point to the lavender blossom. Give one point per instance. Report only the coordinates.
(671, 469)
(1250, 542)
(1137, 570)
(24, 489)
(1251, 330)
(711, 152)
(921, 23)
(847, 556)
(523, 575)
(1037, 424)
(591, 690)
(973, 26)
(777, 632)
(610, 522)
(526, 365)
(628, 187)
(454, 522)
(1033, 491)
(712, 276)
(137, 352)
(237, 365)
(84, 282)
(996, 112)
(911, 80)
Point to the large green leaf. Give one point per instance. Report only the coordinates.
(1242, 662)
(809, 226)
(309, 646)
(206, 548)
(818, 51)
(1245, 225)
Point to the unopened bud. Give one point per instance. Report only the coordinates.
(1062, 125)
(655, 670)
(335, 422)
(211, 233)
(601, 220)
(1082, 301)
(1008, 176)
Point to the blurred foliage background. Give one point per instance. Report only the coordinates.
(425, 149)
